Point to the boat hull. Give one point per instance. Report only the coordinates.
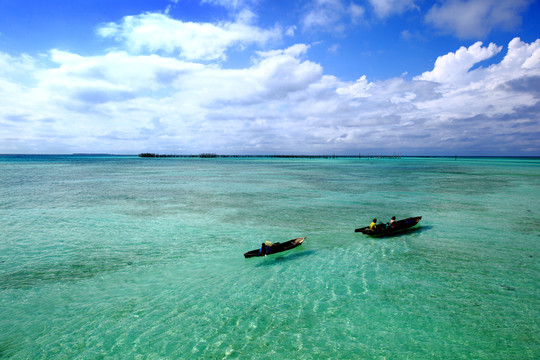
(398, 226)
(276, 248)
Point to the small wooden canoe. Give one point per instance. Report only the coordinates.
(275, 248)
(383, 229)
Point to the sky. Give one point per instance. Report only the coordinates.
(343, 77)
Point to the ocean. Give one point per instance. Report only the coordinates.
(121, 257)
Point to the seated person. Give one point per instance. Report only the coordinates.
(373, 224)
(265, 248)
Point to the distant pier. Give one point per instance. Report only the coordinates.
(211, 156)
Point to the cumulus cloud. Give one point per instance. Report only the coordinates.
(358, 89)
(91, 100)
(122, 102)
(476, 18)
(155, 32)
(455, 66)
(485, 104)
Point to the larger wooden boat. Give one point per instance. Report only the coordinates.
(275, 248)
(384, 229)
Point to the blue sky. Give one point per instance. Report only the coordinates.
(270, 77)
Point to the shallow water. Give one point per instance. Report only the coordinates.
(125, 257)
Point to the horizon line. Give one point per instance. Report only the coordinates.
(212, 155)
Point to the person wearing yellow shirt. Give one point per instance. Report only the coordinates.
(373, 224)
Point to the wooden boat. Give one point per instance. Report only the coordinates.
(385, 229)
(275, 248)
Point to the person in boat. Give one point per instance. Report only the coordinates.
(392, 221)
(373, 224)
(263, 249)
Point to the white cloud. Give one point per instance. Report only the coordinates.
(496, 104)
(476, 18)
(522, 56)
(323, 14)
(154, 32)
(385, 8)
(293, 51)
(455, 66)
(16, 67)
(290, 30)
(331, 15)
(359, 89)
(118, 96)
(357, 12)
(127, 103)
(333, 48)
(230, 4)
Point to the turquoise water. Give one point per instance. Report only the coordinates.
(132, 258)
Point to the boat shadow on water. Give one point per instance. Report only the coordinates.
(278, 259)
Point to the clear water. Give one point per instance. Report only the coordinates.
(124, 257)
